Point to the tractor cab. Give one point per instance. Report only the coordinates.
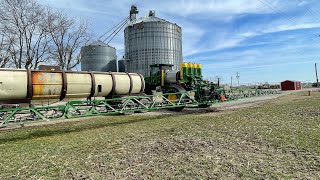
(156, 78)
(157, 73)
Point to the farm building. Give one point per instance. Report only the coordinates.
(290, 85)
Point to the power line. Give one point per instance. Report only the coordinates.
(316, 15)
(279, 11)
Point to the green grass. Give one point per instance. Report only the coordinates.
(277, 140)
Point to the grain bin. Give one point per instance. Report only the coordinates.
(98, 56)
(151, 40)
(122, 65)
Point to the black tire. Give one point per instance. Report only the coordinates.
(204, 105)
(176, 109)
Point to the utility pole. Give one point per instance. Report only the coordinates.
(238, 77)
(315, 67)
(231, 83)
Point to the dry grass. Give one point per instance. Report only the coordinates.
(277, 140)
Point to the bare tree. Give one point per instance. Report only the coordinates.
(33, 34)
(22, 22)
(68, 36)
(4, 51)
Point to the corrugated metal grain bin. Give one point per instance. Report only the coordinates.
(151, 40)
(98, 56)
(122, 65)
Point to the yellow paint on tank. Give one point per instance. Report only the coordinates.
(182, 65)
(136, 83)
(46, 85)
(105, 81)
(78, 85)
(13, 84)
(122, 82)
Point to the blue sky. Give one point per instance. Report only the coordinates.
(263, 40)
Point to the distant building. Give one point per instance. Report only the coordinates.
(226, 87)
(290, 85)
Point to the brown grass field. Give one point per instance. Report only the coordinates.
(279, 139)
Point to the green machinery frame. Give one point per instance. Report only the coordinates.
(125, 105)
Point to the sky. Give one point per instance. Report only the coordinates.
(262, 40)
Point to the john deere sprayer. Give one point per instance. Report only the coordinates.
(188, 79)
(104, 93)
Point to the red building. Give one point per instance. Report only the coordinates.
(290, 85)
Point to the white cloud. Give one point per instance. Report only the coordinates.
(206, 8)
(257, 59)
(191, 36)
(290, 27)
(231, 40)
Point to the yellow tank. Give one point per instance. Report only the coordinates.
(35, 84)
(194, 68)
(183, 70)
(182, 65)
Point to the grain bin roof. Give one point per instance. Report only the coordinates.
(150, 19)
(99, 43)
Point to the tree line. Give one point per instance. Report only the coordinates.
(32, 34)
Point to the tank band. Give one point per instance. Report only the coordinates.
(93, 85)
(142, 83)
(110, 95)
(64, 85)
(29, 84)
(131, 83)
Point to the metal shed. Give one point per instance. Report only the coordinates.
(290, 85)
